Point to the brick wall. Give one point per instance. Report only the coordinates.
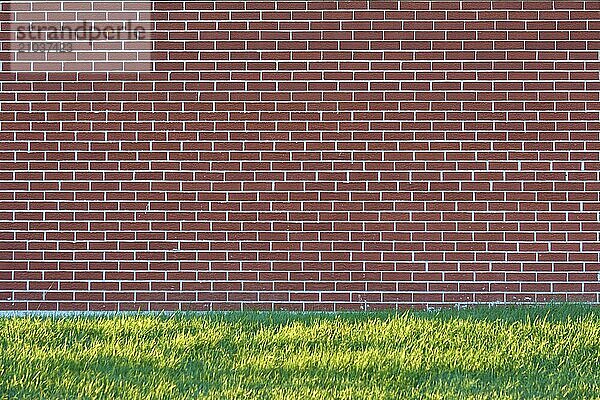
(308, 155)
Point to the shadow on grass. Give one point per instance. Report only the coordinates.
(549, 376)
(554, 312)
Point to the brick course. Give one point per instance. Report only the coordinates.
(319, 155)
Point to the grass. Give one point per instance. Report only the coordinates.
(550, 352)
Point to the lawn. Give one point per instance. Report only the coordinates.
(550, 352)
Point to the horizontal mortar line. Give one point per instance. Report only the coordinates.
(273, 91)
(411, 121)
(320, 81)
(337, 231)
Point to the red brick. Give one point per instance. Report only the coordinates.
(297, 159)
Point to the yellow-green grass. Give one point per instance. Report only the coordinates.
(550, 352)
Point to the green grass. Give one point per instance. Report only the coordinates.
(485, 353)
